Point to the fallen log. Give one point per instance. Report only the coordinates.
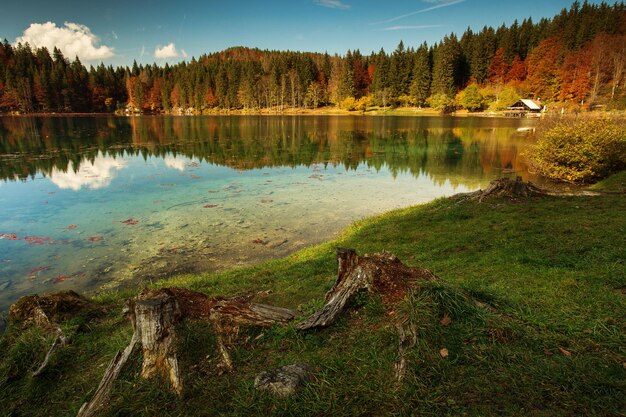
(380, 273)
(155, 316)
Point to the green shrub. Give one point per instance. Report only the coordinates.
(580, 150)
(471, 98)
(442, 103)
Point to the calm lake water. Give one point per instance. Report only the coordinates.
(90, 203)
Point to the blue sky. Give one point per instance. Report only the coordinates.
(117, 32)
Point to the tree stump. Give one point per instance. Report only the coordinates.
(47, 312)
(154, 318)
(380, 273)
(155, 315)
(505, 187)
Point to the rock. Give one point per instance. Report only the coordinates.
(283, 381)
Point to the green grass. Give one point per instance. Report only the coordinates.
(518, 279)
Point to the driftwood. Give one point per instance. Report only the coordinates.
(505, 187)
(155, 315)
(380, 273)
(47, 312)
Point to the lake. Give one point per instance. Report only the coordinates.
(91, 203)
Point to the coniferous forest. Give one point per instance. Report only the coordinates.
(576, 59)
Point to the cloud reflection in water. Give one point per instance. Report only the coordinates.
(90, 175)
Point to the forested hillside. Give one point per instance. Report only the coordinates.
(576, 59)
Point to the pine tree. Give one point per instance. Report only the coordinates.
(420, 85)
(346, 82)
(445, 63)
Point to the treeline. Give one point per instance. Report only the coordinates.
(458, 151)
(577, 58)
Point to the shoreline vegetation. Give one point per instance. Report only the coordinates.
(525, 318)
(333, 111)
(573, 62)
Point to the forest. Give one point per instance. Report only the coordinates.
(576, 60)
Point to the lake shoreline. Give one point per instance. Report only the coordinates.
(322, 111)
(522, 319)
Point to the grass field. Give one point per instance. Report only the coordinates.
(535, 290)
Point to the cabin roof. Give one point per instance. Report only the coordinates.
(527, 103)
(533, 105)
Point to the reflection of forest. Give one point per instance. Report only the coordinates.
(462, 150)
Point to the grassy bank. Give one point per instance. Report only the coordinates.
(534, 290)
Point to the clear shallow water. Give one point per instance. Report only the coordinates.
(90, 203)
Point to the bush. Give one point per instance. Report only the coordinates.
(442, 103)
(505, 98)
(348, 103)
(471, 98)
(580, 150)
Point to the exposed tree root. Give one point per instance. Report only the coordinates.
(407, 334)
(101, 397)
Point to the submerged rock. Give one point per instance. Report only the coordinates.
(283, 381)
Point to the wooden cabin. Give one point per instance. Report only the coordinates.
(523, 108)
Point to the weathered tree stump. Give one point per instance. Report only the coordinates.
(505, 187)
(380, 273)
(155, 315)
(47, 312)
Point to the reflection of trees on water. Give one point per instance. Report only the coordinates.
(461, 150)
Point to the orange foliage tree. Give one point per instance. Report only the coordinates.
(543, 65)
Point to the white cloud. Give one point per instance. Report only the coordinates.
(90, 175)
(413, 27)
(72, 39)
(167, 51)
(438, 5)
(173, 162)
(184, 53)
(333, 4)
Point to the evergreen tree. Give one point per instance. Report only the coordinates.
(420, 85)
(346, 82)
(446, 60)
